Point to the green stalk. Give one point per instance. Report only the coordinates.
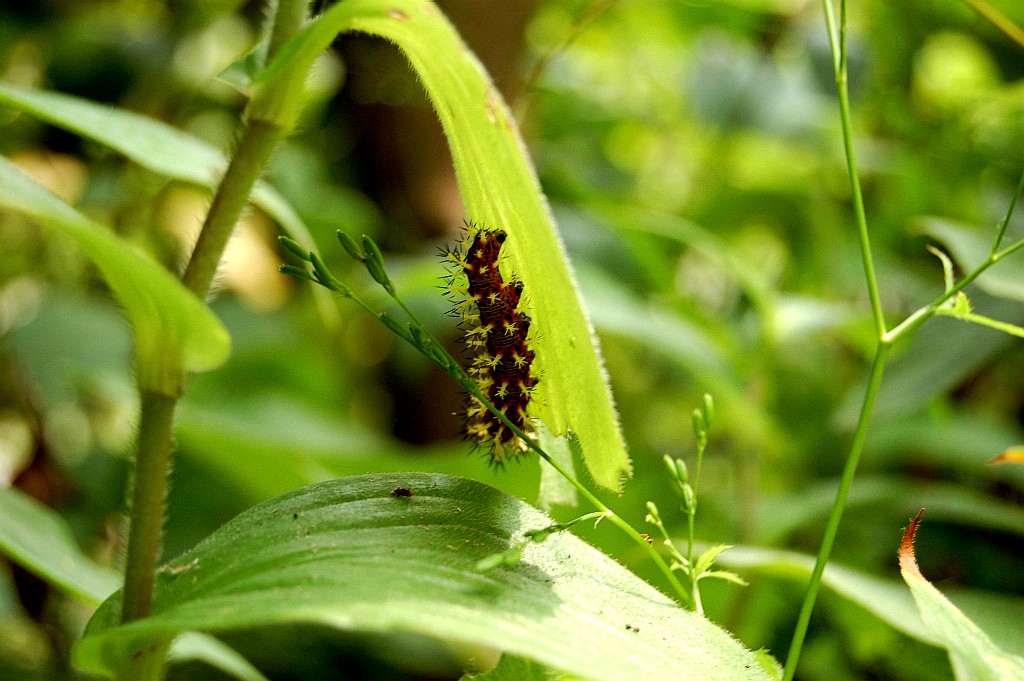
(153, 457)
(832, 528)
(288, 20)
(258, 140)
(152, 463)
(837, 40)
(842, 86)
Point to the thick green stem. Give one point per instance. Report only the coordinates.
(832, 528)
(152, 463)
(153, 458)
(254, 149)
(288, 20)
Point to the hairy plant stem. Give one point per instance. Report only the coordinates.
(252, 153)
(152, 463)
(153, 456)
(288, 20)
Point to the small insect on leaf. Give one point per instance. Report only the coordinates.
(401, 492)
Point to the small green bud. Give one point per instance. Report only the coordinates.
(420, 337)
(293, 246)
(699, 426)
(490, 562)
(670, 466)
(653, 516)
(293, 271)
(351, 247)
(689, 499)
(709, 410)
(374, 262)
(324, 276)
(683, 474)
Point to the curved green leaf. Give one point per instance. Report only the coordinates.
(157, 147)
(499, 190)
(358, 554)
(39, 540)
(173, 329)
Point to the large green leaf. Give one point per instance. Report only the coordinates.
(359, 554)
(499, 190)
(971, 651)
(173, 329)
(36, 538)
(148, 142)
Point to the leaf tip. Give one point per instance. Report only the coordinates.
(908, 562)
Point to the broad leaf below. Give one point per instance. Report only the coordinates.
(396, 552)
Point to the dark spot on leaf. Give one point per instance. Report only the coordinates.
(401, 492)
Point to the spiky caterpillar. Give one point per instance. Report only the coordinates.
(497, 334)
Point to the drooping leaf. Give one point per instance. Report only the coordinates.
(499, 190)
(173, 329)
(358, 554)
(39, 540)
(971, 651)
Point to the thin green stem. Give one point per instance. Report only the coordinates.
(1005, 222)
(839, 55)
(842, 86)
(832, 528)
(923, 314)
(608, 513)
(152, 463)
(999, 20)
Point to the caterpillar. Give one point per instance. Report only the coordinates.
(497, 336)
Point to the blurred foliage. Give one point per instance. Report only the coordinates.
(693, 158)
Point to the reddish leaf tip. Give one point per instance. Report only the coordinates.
(908, 562)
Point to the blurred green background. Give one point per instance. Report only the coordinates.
(692, 156)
